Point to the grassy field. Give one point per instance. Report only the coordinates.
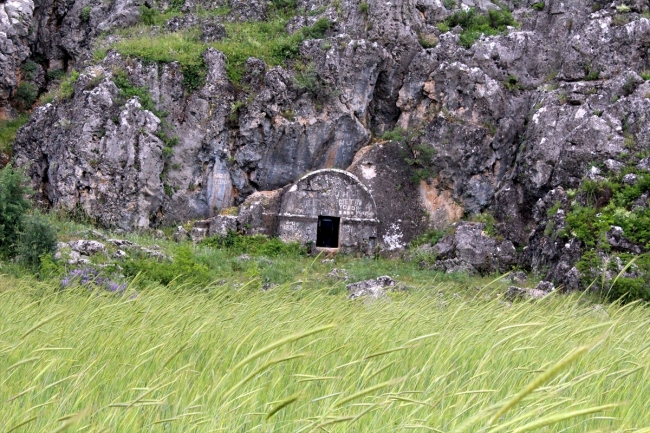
(443, 357)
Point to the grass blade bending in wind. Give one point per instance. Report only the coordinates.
(258, 371)
(278, 343)
(553, 419)
(544, 377)
(281, 405)
(366, 391)
(43, 322)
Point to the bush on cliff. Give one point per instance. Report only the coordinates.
(30, 236)
(13, 205)
(598, 206)
(8, 130)
(475, 24)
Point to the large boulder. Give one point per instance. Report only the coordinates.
(469, 246)
(373, 289)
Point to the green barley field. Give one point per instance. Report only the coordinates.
(209, 358)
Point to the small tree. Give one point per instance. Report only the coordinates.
(36, 239)
(13, 205)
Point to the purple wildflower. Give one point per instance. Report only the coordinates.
(88, 276)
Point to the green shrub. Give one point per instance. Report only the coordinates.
(629, 289)
(591, 74)
(128, 91)
(600, 205)
(37, 239)
(490, 223)
(85, 14)
(430, 237)
(620, 19)
(26, 95)
(151, 16)
(268, 41)
(602, 274)
(257, 245)
(233, 116)
(29, 67)
(363, 7)
(184, 267)
(181, 47)
(420, 160)
(307, 78)
(417, 155)
(427, 40)
(148, 15)
(290, 115)
(67, 85)
(512, 83)
(539, 6)
(449, 4)
(8, 130)
(645, 75)
(629, 87)
(283, 8)
(169, 144)
(598, 5)
(396, 134)
(318, 30)
(176, 5)
(13, 205)
(194, 75)
(55, 74)
(94, 81)
(475, 24)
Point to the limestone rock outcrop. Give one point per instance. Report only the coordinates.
(506, 125)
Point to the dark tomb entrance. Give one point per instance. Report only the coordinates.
(327, 235)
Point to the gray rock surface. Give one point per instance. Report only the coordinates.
(541, 290)
(222, 224)
(338, 274)
(181, 234)
(616, 238)
(87, 247)
(506, 126)
(373, 289)
(470, 247)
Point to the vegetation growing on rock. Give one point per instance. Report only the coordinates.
(475, 24)
(8, 129)
(267, 40)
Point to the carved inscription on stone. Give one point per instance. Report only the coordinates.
(329, 193)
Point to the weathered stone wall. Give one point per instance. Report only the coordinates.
(334, 193)
(405, 207)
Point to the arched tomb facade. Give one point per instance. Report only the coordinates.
(332, 209)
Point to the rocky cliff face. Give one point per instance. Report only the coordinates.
(498, 126)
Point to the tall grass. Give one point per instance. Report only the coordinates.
(219, 359)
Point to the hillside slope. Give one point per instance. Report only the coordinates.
(531, 115)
